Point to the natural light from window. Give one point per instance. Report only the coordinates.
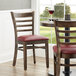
(59, 13)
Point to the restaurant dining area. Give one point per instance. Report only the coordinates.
(37, 38)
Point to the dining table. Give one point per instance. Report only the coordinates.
(67, 61)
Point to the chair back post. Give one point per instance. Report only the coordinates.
(57, 40)
(14, 23)
(33, 22)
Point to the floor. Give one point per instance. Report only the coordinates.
(39, 69)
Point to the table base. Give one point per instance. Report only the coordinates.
(50, 75)
(67, 73)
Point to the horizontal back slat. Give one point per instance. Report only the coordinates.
(66, 23)
(67, 37)
(67, 43)
(24, 25)
(66, 31)
(28, 14)
(24, 30)
(23, 20)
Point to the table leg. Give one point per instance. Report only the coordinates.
(50, 75)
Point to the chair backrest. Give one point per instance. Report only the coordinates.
(60, 32)
(23, 22)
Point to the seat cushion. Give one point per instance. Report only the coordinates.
(66, 49)
(31, 38)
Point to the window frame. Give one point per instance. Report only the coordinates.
(35, 7)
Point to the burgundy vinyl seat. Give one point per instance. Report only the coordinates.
(31, 38)
(66, 49)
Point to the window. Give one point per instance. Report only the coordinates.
(72, 5)
(62, 8)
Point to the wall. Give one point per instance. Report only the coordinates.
(7, 31)
(14, 4)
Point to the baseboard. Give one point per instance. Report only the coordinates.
(9, 56)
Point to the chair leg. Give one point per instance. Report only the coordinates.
(25, 56)
(15, 55)
(54, 65)
(58, 68)
(34, 54)
(47, 54)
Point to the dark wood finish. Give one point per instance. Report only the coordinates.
(24, 26)
(66, 31)
(54, 65)
(23, 20)
(59, 55)
(24, 30)
(67, 43)
(15, 55)
(18, 15)
(67, 37)
(25, 56)
(68, 65)
(66, 23)
(46, 52)
(47, 24)
(25, 46)
(34, 54)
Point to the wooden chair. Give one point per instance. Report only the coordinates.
(21, 20)
(66, 50)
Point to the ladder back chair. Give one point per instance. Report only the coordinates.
(21, 20)
(65, 50)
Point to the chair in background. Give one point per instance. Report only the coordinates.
(25, 21)
(66, 50)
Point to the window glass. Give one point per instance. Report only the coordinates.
(59, 13)
(58, 9)
(73, 12)
(71, 2)
(54, 2)
(72, 5)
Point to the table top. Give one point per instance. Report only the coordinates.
(47, 23)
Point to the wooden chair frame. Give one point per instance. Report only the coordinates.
(59, 55)
(25, 43)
